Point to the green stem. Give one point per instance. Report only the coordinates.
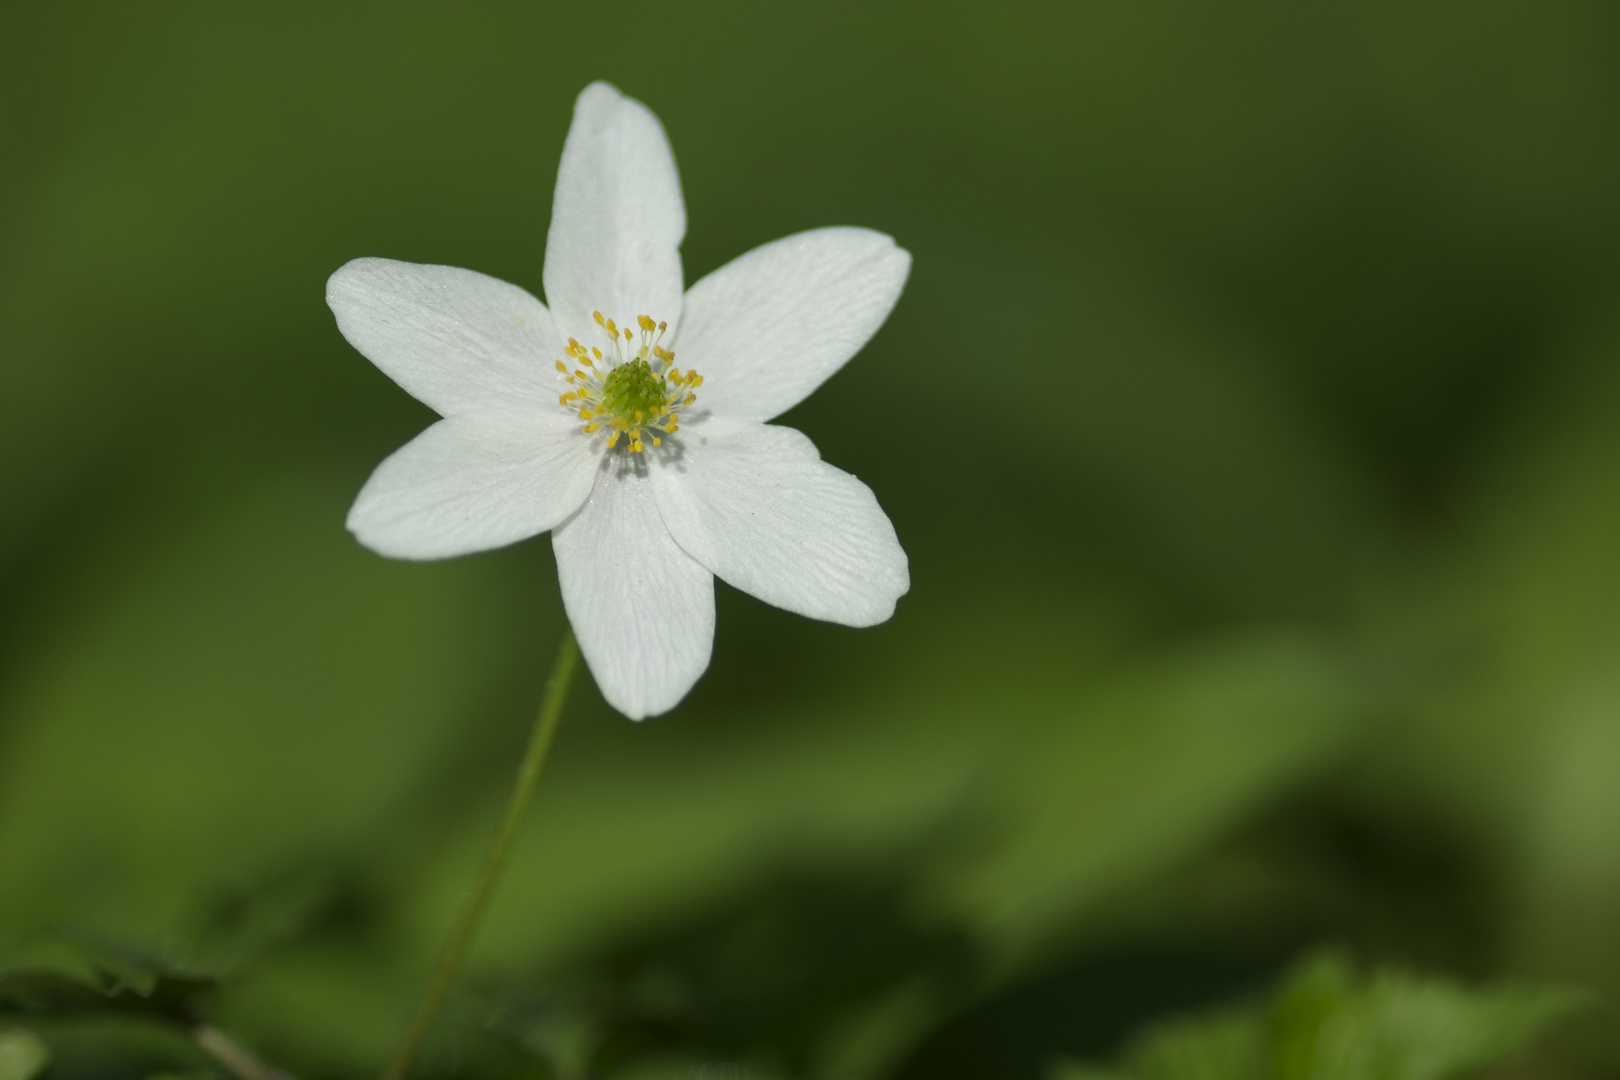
(472, 909)
(231, 1054)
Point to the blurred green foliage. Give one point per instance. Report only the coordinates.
(1249, 419)
(22, 1055)
(1327, 1023)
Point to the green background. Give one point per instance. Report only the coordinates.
(1251, 419)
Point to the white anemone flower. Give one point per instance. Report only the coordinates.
(630, 420)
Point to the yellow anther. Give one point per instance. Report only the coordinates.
(635, 390)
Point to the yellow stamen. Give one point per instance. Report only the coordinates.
(634, 391)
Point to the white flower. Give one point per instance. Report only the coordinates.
(580, 419)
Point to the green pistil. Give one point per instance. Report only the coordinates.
(632, 388)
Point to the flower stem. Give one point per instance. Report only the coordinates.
(231, 1054)
(472, 909)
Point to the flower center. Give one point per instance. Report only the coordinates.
(632, 388)
(631, 391)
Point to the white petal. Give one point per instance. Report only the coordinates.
(476, 481)
(617, 219)
(642, 608)
(769, 327)
(758, 506)
(454, 339)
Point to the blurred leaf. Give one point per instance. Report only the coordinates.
(170, 998)
(1397, 1025)
(1327, 1022)
(1222, 1046)
(681, 1068)
(22, 1055)
(1080, 1070)
(1306, 1003)
(1161, 758)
